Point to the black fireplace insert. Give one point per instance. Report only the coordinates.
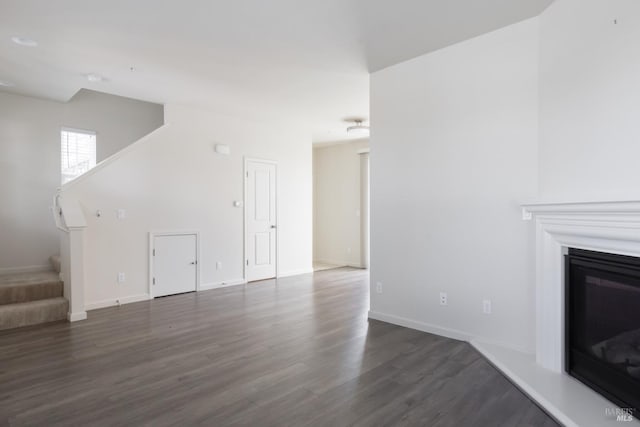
(602, 321)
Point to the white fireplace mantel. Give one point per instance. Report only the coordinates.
(612, 226)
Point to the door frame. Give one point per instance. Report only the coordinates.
(159, 233)
(245, 178)
(365, 208)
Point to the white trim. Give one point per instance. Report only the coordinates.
(295, 272)
(115, 302)
(78, 130)
(584, 208)
(244, 214)
(339, 263)
(445, 332)
(134, 298)
(612, 227)
(106, 162)
(26, 269)
(100, 304)
(74, 317)
(210, 286)
(420, 326)
(157, 233)
(363, 151)
(527, 350)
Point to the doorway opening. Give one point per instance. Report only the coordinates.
(341, 205)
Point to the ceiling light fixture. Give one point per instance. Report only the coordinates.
(5, 83)
(94, 78)
(358, 127)
(24, 41)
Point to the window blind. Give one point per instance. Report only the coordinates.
(78, 153)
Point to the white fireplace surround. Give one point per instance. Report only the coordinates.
(612, 227)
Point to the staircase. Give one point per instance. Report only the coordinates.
(32, 298)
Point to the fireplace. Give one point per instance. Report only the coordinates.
(602, 324)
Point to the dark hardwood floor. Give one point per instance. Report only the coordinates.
(296, 352)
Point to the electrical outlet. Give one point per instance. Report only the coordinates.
(486, 306)
(379, 287)
(121, 277)
(443, 298)
(219, 265)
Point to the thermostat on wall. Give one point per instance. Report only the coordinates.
(222, 149)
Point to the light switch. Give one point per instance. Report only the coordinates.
(121, 213)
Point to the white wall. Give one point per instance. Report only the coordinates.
(459, 140)
(337, 216)
(453, 154)
(118, 121)
(590, 100)
(30, 162)
(173, 180)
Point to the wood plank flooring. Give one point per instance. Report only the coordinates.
(294, 352)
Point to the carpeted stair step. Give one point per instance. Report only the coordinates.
(54, 260)
(33, 312)
(25, 287)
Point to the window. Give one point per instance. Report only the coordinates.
(78, 153)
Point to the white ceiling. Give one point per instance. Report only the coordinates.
(308, 61)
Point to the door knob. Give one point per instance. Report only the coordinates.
(193, 263)
(273, 226)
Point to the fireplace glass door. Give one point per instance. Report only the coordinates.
(602, 322)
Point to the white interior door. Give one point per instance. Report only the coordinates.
(175, 264)
(260, 211)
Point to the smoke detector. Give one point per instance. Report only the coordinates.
(94, 78)
(24, 41)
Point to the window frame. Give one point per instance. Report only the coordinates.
(93, 162)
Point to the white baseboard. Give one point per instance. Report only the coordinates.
(135, 298)
(331, 262)
(26, 269)
(338, 263)
(74, 317)
(477, 341)
(209, 286)
(115, 302)
(100, 304)
(445, 332)
(295, 272)
(420, 326)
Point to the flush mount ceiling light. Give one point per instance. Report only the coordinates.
(95, 78)
(5, 83)
(358, 128)
(24, 41)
